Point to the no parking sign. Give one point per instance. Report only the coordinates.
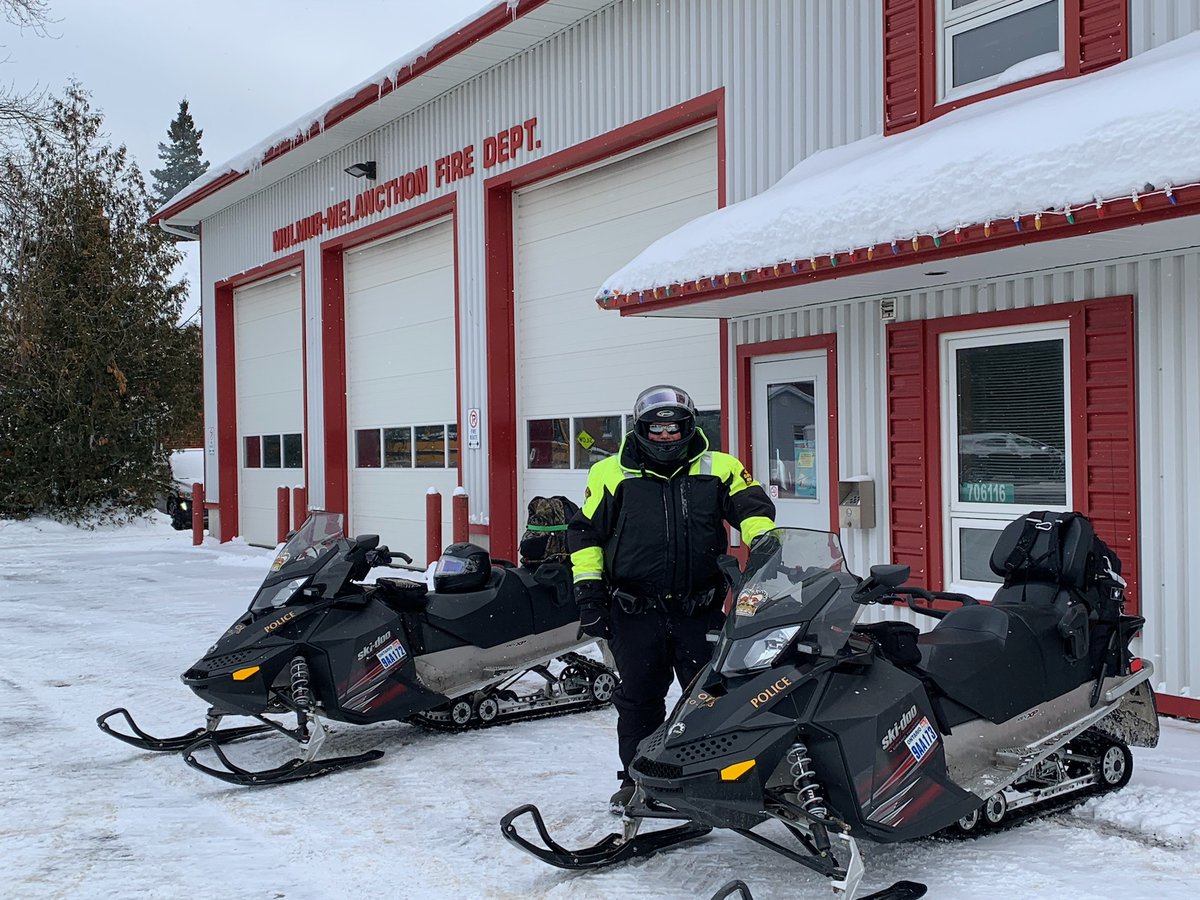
(473, 429)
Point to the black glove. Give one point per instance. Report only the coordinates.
(762, 549)
(592, 598)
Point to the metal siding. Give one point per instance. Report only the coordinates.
(798, 78)
(1166, 289)
(1153, 23)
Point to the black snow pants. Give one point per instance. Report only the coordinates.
(648, 648)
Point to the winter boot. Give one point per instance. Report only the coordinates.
(623, 796)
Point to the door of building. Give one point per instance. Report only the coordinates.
(790, 422)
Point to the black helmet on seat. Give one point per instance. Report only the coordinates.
(463, 567)
(659, 413)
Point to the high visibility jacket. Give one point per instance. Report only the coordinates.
(659, 536)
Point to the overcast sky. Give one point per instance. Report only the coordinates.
(247, 67)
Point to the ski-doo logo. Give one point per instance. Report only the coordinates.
(771, 692)
(677, 729)
(373, 646)
(286, 617)
(895, 731)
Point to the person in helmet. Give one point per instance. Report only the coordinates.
(644, 550)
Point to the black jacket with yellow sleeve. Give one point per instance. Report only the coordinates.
(658, 536)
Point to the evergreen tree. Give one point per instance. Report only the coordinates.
(182, 158)
(93, 367)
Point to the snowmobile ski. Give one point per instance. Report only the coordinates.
(612, 849)
(145, 741)
(292, 770)
(901, 890)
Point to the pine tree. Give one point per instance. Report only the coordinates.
(93, 367)
(182, 158)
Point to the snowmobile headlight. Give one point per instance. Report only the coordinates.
(759, 651)
(285, 592)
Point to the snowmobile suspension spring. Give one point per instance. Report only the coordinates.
(301, 695)
(804, 780)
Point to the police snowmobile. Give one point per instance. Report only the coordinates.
(318, 644)
(839, 733)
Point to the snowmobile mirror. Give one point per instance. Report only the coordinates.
(367, 541)
(881, 581)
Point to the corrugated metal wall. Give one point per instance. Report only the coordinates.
(798, 77)
(1167, 310)
(1154, 22)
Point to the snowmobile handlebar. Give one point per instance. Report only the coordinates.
(909, 595)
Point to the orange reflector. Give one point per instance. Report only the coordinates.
(243, 674)
(737, 770)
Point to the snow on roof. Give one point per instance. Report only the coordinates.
(1039, 150)
(250, 160)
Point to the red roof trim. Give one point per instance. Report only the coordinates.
(1115, 214)
(470, 34)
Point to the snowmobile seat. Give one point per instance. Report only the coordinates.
(403, 594)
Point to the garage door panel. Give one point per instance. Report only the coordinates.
(401, 370)
(270, 393)
(572, 358)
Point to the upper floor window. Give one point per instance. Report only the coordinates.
(986, 44)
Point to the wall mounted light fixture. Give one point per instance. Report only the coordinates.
(362, 170)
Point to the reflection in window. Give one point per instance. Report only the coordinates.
(596, 437)
(709, 421)
(431, 446)
(397, 448)
(792, 436)
(253, 452)
(975, 551)
(367, 455)
(452, 445)
(293, 451)
(1012, 424)
(272, 455)
(549, 443)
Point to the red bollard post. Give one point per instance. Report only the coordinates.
(433, 525)
(283, 513)
(459, 515)
(197, 514)
(299, 506)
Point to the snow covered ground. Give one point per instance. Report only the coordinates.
(96, 619)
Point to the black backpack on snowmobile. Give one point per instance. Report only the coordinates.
(839, 732)
(319, 643)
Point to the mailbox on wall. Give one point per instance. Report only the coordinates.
(856, 502)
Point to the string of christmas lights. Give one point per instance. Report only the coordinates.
(1019, 221)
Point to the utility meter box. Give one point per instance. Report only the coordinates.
(856, 502)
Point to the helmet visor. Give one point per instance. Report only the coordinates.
(662, 397)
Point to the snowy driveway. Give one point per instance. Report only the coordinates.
(96, 619)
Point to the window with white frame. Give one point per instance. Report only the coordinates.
(985, 44)
(1006, 439)
(576, 442)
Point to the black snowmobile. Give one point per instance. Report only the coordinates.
(318, 644)
(839, 732)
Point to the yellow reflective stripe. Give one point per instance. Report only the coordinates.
(588, 564)
(753, 526)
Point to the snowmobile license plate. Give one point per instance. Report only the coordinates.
(391, 654)
(921, 740)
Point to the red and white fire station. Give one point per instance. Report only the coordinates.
(924, 265)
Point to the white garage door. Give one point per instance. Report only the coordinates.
(579, 368)
(401, 384)
(270, 400)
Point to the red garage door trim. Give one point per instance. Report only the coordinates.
(500, 243)
(225, 332)
(1103, 428)
(333, 339)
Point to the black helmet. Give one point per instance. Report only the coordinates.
(664, 405)
(463, 567)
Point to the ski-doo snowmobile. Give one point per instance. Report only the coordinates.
(838, 733)
(318, 644)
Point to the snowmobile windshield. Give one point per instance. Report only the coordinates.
(305, 553)
(796, 593)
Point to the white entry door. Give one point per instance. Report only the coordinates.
(790, 418)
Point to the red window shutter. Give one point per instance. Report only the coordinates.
(1106, 489)
(1103, 31)
(901, 65)
(907, 495)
